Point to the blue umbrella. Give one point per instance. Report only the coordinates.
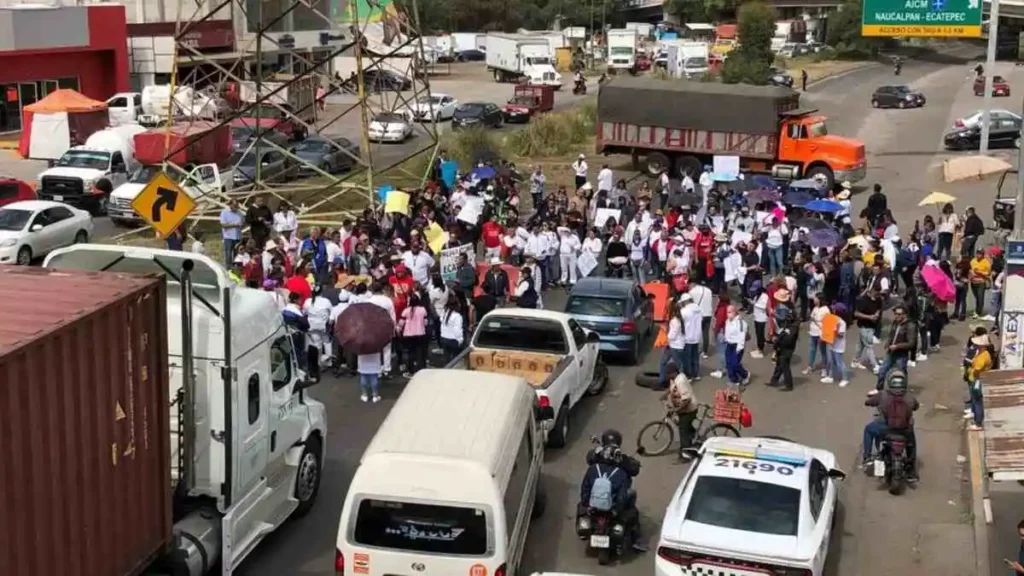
(797, 198)
(763, 195)
(824, 238)
(484, 172)
(723, 177)
(762, 181)
(823, 206)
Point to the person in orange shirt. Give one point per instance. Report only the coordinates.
(979, 278)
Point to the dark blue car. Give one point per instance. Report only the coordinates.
(618, 310)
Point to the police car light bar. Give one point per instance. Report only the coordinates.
(767, 455)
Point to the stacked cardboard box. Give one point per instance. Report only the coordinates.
(534, 367)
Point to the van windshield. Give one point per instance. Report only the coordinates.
(523, 334)
(94, 160)
(415, 527)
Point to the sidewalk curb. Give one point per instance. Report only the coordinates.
(975, 451)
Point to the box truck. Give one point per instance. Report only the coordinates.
(515, 58)
(681, 126)
(623, 45)
(687, 59)
(176, 446)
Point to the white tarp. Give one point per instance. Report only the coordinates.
(49, 136)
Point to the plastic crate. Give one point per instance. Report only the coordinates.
(728, 407)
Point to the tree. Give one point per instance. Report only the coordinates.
(750, 62)
(844, 32)
(688, 10)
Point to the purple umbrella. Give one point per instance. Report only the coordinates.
(763, 195)
(364, 328)
(824, 238)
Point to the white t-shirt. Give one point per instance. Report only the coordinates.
(817, 315)
(579, 167)
(947, 225)
(704, 299)
(368, 363)
(451, 326)
(691, 324)
(604, 179)
(774, 239)
(839, 344)
(676, 340)
(761, 308)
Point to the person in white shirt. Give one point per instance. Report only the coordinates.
(453, 329)
(335, 253)
(369, 368)
(579, 168)
(691, 316)
(735, 337)
(418, 262)
(318, 312)
(947, 225)
(537, 272)
(285, 222)
(568, 249)
(640, 225)
(706, 181)
(664, 188)
(637, 257)
(535, 243)
(604, 179)
(439, 295)
(774, 242)
(673, 353)
(379, 298)
(760, 323)
(592, 246)
(703, 297)
(836, 349)
(843, 215)
(687, 184)
(549, 256)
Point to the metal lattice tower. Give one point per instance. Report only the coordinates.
(385, 32)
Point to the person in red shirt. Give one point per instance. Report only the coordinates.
(705, 247)
(492, 232)
(402, 286)
(718, 331)
(298, 284)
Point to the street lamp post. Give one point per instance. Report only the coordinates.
(990, 64)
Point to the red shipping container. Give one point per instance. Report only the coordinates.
(84, 422)
(198, 142)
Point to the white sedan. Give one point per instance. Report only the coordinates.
(32, 228)
(974, 118)
(389, 128)
(436, 108)
(751, 506)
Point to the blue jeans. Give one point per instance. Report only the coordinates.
(865, 355)
(873, 432)
(720, 351)
(817, 346)
(229, 252)
(775, 260)
(639, 273)
(838, 367)
(889, 363)
(734, 364)
(977, 405)
(675, 356)
(369, 384)
(691, 360)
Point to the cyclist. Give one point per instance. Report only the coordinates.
(682, 404)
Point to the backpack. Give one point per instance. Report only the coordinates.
(898, 417)
(529, 297)
(602, 494)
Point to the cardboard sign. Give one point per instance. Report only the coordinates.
(397, 202)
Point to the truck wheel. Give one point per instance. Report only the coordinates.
(656, 163)
(689, 165)
(600, 381)
(307, 479)
(497, 75)
(559, 434)
(822, 170)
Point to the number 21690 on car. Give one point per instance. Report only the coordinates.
(751, 507)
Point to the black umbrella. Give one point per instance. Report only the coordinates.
(797, 198)
(364, 328)
(813, 224)
(685, 199)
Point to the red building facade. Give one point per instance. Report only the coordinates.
(83, 48)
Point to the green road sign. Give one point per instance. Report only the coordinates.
(922, 18)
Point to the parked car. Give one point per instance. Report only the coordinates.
(385, 81)
(792, 50)
(389, 127)
(471, 55)
(815, 47)
(643, 63)
(1000, 87)
(618, 310)
(1003, 133)
(778, 77)
(435, 107)
(243, 135)
(328, 153)
(974, 118)
(896, 97)
(13, 190)
(477, 113)
(33, 228)
(273, 166)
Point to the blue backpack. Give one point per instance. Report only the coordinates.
(602, 494)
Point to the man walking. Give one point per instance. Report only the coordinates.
(803, 80)
(691, 316)
(537, 181)
(785, 344)
(902, 341)
(868, 314)
(579, 168)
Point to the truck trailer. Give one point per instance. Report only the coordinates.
(681, 126)
(163, 411)
(513, 58)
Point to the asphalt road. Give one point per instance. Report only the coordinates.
(925, 531)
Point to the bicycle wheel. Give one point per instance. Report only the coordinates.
(655, 438)
(717, 430)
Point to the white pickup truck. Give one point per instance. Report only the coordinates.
(201, 180)
(556, 355)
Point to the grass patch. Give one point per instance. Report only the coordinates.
(553, 134)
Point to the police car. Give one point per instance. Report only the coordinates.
(751, 507)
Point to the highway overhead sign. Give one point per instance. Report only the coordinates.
(922, 18)
(163, 204)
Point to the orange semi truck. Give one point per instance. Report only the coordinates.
(680, 126)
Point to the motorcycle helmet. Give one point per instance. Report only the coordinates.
(611, 437)
(896, 382)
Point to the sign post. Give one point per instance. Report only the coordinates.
(922, 18)
(163, 204)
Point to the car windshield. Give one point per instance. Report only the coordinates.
(469, 110)
(901, 89)
(144, 174)
(389, 119)
(696, 62)
(311, 145)
(14, 219)
(622, 50)
(523, 100)
(84, 159)
(430, 100)
(595, 306)
(817, 129)
(998, 80)
(747, 505)
(422, 528)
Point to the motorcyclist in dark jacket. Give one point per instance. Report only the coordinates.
(605, 459)
(893, 418)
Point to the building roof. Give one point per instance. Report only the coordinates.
(66, 100)
(701, 27)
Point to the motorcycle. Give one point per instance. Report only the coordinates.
(605, 533)
(892, 463)
(896, 69)
(579, 88)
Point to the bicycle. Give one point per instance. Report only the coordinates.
(661, 433)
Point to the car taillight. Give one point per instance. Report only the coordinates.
(544, 401)
(500, 571)
(958, 124)
(339, 563)
(628, 327)
(674, 556)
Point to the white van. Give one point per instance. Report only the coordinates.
(449, 483)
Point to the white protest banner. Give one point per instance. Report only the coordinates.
(729, 165)
(586, 263)
(472, 209)
(450, 260)
(603, 214)
(740, 236)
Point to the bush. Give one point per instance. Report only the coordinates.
(555, 133)
(739, 69)
(470, 145)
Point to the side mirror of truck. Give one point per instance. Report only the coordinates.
(304, 383)
(593, 338)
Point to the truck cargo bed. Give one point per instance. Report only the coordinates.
(621, 134)
(535, 367)
(84, 439)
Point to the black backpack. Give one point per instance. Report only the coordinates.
(529, 297)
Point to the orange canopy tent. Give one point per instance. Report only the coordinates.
(62, 119)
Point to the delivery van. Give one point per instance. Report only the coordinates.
(449, 483)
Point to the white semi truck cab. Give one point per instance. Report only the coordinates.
(513, 58)
(623, 45)
(247, 442)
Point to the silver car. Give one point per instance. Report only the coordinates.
(274, 166)
(329, 154)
